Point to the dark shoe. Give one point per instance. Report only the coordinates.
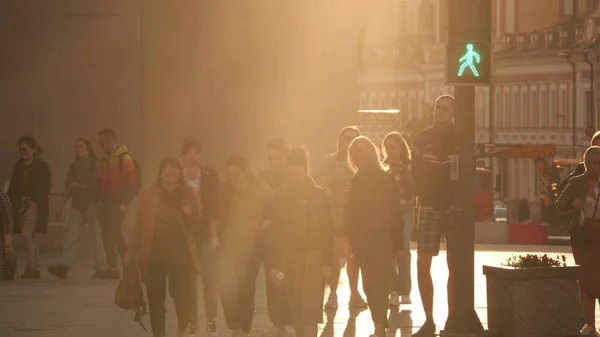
(31, 274)
(59, 271)
(100, 275)
(427, 330)
(112, 274)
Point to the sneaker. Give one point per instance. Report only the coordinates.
(394, 300)
(273, 331)
(356, 301)
(427, 330)
(289, 331)
(112, 274)
(30, 274)
(332, 303)
(211, 329)
(58, 270)
(588, 330)
(405, 299)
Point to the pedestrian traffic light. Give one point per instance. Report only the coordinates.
(468, 62)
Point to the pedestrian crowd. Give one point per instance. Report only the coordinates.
(359, 204)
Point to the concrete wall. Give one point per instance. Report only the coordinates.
(232, 73)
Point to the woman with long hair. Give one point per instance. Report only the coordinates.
(163, 242)
(334, 176)
(581, 198)
(373, 221)
(242, 201)
(396, 155)
(29, 191)
(81, 188)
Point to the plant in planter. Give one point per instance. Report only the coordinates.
(533, 296)
(535, 261)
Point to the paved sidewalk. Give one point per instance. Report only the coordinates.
(80, 306)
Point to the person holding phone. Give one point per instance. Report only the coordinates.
(300, 239)
(164, 245)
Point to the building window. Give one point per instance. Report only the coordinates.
(381, 102)
(589, 108)
(411, 108)
(506, 111)
(497, 109)
(552, 110)
(543, 111)
(516, 120)
(426, 16)
(364, 103)
(392, 102)
(524, 113)
(372, 102)
(534, 121)
(562, 115)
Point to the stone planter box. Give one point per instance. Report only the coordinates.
(537, 302)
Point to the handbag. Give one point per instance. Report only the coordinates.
(129, 294)
(580, 234)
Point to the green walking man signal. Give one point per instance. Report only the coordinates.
(467, 61)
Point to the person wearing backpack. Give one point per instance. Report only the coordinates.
(119, 183)
(81, 188)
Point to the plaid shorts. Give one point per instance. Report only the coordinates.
(431, 225)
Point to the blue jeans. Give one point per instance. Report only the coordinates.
(209, 280)
(237, 285)
(76, 220)
(400, 280)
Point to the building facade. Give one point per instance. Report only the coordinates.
(539, 94)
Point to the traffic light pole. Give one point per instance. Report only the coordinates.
(462, 319)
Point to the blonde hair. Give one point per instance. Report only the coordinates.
(591, 151)
(364, 151)
(396, 136)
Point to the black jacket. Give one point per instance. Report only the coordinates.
(372, 216)
(31, 181)
(431, 153)
(301, 221)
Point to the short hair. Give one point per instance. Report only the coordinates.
(109, 132)
(445, 96)
(591, 151)
(29, 141)
(191, 143)
(279, 145)
(297, 157)
(595, 138)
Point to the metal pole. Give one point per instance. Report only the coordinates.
(462, 319)
(574, 105)
(592, 88)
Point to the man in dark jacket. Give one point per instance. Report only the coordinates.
(204, 181)
(275, 176)
(431, 155)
